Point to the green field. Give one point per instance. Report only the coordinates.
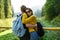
(8, 35)
(6, 22)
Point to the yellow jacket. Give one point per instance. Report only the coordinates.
(29, 20)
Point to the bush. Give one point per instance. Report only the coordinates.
(52, 9)
(56, 21)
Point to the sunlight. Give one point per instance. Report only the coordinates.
(6, 32)
(29, 3)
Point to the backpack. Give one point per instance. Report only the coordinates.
(40, 29)
(18, 28)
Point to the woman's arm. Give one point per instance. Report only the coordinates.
(28, 21)
(31, 25)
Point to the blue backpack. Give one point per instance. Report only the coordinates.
(18, 28)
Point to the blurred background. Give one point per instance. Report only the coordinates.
(46, 11)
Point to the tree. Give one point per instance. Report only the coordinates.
(52, 8)
(8, 8)
(38, 13)
(5, 9)
(2, 9)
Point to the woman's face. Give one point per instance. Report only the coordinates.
(29, 13)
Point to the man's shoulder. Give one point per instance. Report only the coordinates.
(24, 14)
(33, 16)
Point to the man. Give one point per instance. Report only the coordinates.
(26, 35)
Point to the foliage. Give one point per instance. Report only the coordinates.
(5, 9)
(56, 21)
(2, 9)
(9, 36)
(38, 13)
(45, 23)
(50, 34)
(52, 9)
(6, 22)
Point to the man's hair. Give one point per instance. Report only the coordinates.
(23, 8)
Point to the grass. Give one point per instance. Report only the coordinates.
(45, 23)
(6, 32)
(49, 35)
(6, 22)
(9, 36)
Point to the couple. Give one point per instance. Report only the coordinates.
(30, 21)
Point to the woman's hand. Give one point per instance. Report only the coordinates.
(31, 25)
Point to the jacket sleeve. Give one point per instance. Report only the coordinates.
(26, 20)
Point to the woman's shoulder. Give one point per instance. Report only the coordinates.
(32, 17)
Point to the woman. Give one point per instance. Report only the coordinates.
(29, 18)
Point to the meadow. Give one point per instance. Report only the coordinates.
(8, 34)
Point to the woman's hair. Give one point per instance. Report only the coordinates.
(29, 10)
(23, 8)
